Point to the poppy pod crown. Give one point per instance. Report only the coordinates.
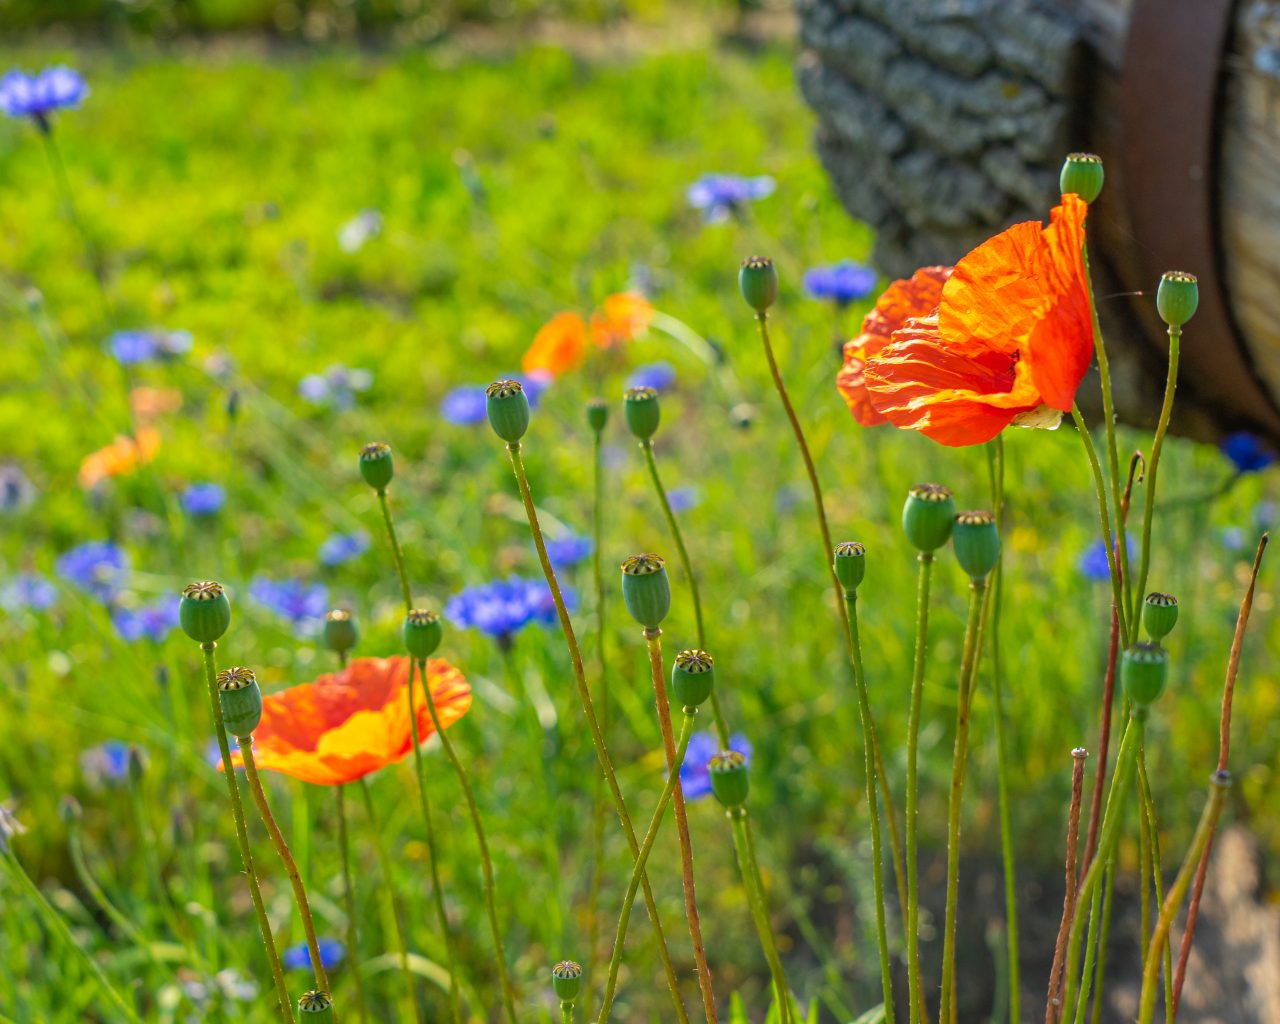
(693, 677)
(376, 465)
(204, 611)
(507, 407)
(566, 980)
(850, 564)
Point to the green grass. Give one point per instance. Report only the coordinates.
(215, 181)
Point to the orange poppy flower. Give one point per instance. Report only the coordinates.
(151, 403)
(559, 345)
(121, 456)
(344, 726)
(1010, 340)
(903, 299)
(621, 318)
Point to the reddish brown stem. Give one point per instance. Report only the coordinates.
(1224, 751)
(1052, 1004)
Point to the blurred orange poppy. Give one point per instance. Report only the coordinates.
(121, 456)
(344, 726)
(622, 317)
(150, 403)
(559, 345)
(1010, 340)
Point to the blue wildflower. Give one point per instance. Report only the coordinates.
(38, 96)
(568, 550)
(96, 567)
(681, 499)
(27, 591)
(660, 376)
(841, 283)
(332, 953)
(695, 780)
(132, 347)
(720, 195)
(337, 386)
(152, 622)
(203, 499)
(342, 547)
(302, 604)
(1247, 452)
(1232, 538)
(464, 406)
(107, 762)
(504, 607)
(1094, 564)
(16, 490)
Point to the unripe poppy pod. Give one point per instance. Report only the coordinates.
(1159, 615)
(850, 563)
(928, 516)
(976, 542)
(642, 412)
(758, 282)
(316, 1007)
(597, 414)
(693, 676)
(1144, 668)
(423, 632)
(508, 409)
(646, 589)
(1082, 174)
(729, 780)
(376, 465)
(205, 612)
(1177, 297)
(340, 632)
(566, 980)
(241, 700)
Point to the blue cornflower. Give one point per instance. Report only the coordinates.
(37, 96)
(660, 376)
(720, 195)
(842, 282)
(681, 499)
(302, 604)
(97, 567)
(131, 347)
(152, 622)
(1247, 452)
(107, 762)
(332, 953)
(695, 780)
(343, 547)
(504, 607)
(27, 591)
(337, 386)
(1095, 565)
(16, 490)
(464, 406)
(568, 550)
(203, 499)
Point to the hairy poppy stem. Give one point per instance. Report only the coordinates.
(1052, 1004)
(918, 1010)
(637, 872)
(964, 707)
(722, 730)
(397, 916)
(437, 890)
(242, 836)
(1104, 517)
(597, 737)
(654, 642)
(598, 798)
(286, 858)
(749, 865)
(1173, 901)
(349, 902)
(1156, 867)
(486, 862)
(396, 554)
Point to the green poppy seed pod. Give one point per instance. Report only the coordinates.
(729, 779)
(1177, 297)
(340, 632)
(758, 282)
(646, 590)
(693, 676)
(976, 541)
(508, 409)
(642, 412)
(597, 414)
(1159, 615)
(376, 465)
(928, 516)
(241, 700)
(316, 1007)
(566, 980)
(69, 810)
(850, 564)
(205, 612)
(423, 632)
(1144, 668)
(1082, 174)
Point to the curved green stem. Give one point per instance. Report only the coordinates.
(637, 872)
(486, 862)
(384, 862)
(593, 723)
(349, 903)
(918, 1011)
(1157, 874)
(242, 836)
(598, 798)
(1153, 463)
(92, 256)
(722, 730)
(750, 868)
(566, 1013)
(396, 554)
(1104, 517)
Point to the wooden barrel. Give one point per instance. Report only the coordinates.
(941, 122)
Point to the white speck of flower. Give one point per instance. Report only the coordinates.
(9, 827)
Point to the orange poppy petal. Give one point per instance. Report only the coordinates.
(1026, 286)
(121, 456)
(623, 316)
(559, 345)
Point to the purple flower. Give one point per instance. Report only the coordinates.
(203, 499)
(720, 195)
(337, 386)
(27, 591)
(132, 347)
(695, 780)
(343, 547)
(504, 607)
(16, 490)
(332, 953)
(681, 499)
(152, 622)
(96, 567)
(464, 406)
(38, 96)
(842, 282)
(302, 604)
(1094, 564)
(568, 550)
(660, 376)
(107, 762)
(1247, 452)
